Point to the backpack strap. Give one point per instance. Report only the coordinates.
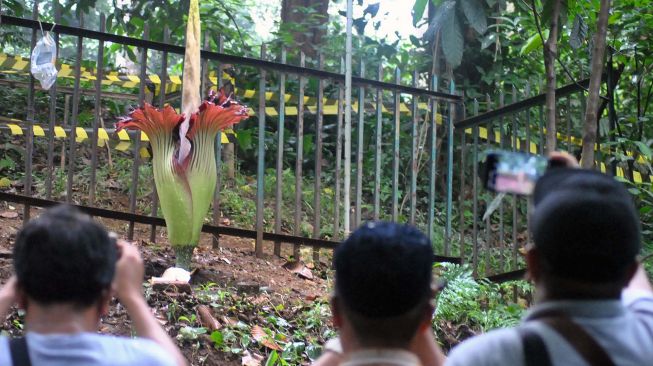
(19, 353)
(583, 343)
(535, 351)
(586, 346)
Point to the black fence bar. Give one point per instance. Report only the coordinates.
(280, 140)
(475, 190)
(72, 145)
(502, 145)
(339, 146)
(133, 187)
(535, 101)
(507, 276)
(317, 192)
(225, 58)
(378, 134)
(299, 160)
(96, 115)
(52, 117)
(360, 132)
(260, 165)
(162, 98)
(395, 151)
(414, 154)
(29, 150)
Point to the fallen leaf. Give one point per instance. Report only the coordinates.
(225, 260)
(9, 214)
(293, 266)
(251, 359)
(261, 337)
(229, 321)
(207, 319)
(305, 273)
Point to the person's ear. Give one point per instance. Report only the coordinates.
(105, 299)
(630, 272)
(427, 317)
(533, 265)
(336, 312)
(21, 297)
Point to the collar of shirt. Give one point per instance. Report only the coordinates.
(580, 308)
(386, 357)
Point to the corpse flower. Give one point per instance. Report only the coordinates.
(185, 185)
(183, 157)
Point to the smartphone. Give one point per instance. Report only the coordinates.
(511, 172)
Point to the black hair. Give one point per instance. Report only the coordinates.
(585, 225)
(383, 279)
(63, 256)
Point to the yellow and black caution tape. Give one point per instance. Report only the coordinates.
(10, 64)
(17, 127)
(533, 149)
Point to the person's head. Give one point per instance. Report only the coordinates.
(383, 284)
(64, 257)
(586, 234)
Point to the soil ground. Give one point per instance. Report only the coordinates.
(232, 266)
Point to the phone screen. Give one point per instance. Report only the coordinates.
(513, 172)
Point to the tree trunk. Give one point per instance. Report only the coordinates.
(598, 54)
(309, 29)
(550, 54)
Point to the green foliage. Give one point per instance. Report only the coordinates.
(452, 38)
(534, 43)
(474, 11)
(478, 303)
(418, 10)
(578, 32)
(447, 22)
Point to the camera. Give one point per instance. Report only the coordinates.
(511, 172)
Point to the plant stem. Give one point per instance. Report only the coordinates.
(184, 256)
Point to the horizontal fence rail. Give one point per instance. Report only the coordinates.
(206, 228)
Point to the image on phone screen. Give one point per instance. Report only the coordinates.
(514, 172)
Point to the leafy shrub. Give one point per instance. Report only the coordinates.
(479, 304)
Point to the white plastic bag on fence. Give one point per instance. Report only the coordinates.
(43, 61)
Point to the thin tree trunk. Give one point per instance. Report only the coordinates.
(550, 54)
(598, 53)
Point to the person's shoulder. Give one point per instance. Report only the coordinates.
(638, 301)
(497, 347)
(136, 351)
(4, 351)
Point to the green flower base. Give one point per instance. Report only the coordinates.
(184, 256)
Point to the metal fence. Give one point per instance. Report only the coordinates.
(432, 175)
(392, 106)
